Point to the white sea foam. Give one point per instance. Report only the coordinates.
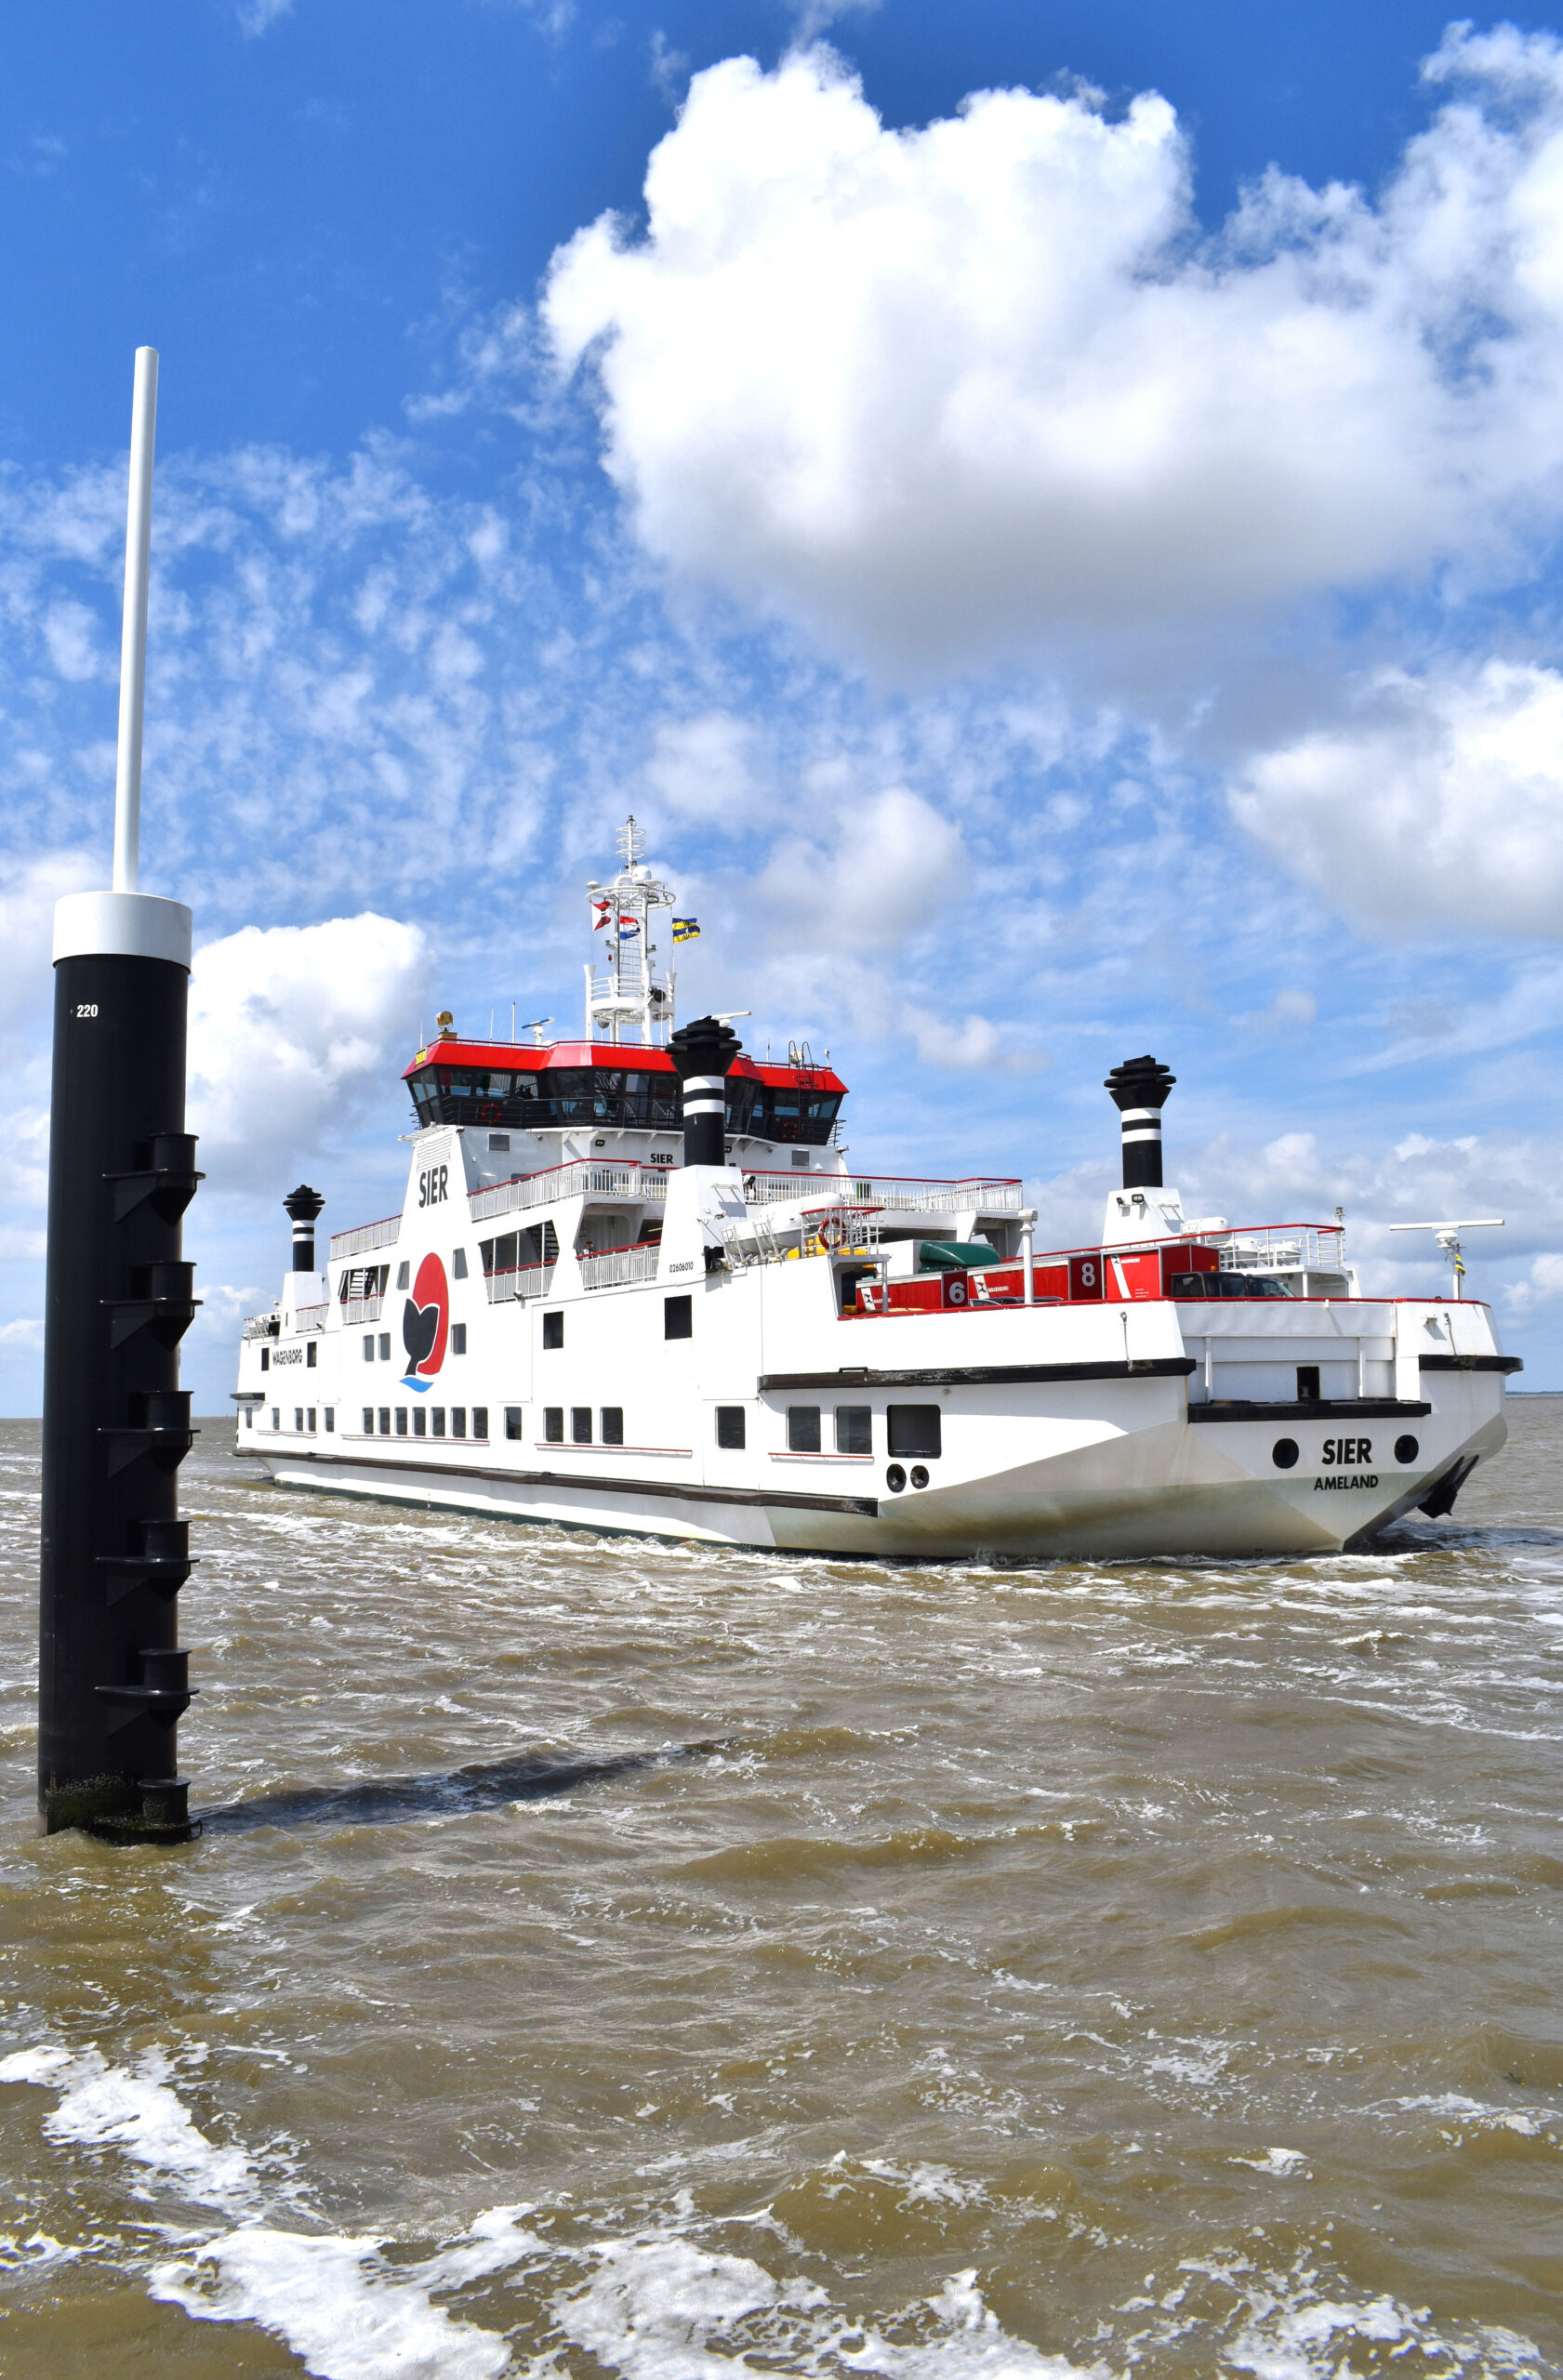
(334, 2300)
(1279, 2161)
(661, 2308)
(135, 2110)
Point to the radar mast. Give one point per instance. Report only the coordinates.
(630, 986)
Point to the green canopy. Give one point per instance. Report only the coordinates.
(955, 1255)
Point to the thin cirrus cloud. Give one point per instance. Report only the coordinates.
(944, 392)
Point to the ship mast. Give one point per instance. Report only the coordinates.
(629, 991)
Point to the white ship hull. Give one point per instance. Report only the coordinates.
(1103, 1431)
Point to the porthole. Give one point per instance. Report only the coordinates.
(1283, 1454)
(896, 1479)
(919, 1475)
(1406, 1450)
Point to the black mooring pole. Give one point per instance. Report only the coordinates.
(119, 1297)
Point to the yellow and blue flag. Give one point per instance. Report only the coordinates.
(686, 929)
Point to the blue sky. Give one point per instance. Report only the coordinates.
(1050, 513)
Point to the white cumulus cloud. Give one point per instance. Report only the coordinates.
(1440, 802)
(292, 1029)
(946, 388)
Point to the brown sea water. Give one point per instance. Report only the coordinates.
(822, 1969)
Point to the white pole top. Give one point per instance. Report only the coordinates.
(133, 641)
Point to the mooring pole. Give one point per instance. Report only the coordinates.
(119, 1297)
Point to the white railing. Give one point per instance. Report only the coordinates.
(586, 1179)
(352, 1243)
(885, 1192)
(362, 1309)
(527, 1281)
(311, 1317)
(262, 1326)
(1281, 1248)
(619, 1266)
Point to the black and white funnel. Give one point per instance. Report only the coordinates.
(1139, 1089)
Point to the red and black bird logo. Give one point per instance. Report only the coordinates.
(426, 1322)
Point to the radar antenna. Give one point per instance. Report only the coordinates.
(629, 988)
(1448, 1237)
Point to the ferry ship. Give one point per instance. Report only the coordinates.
(637, 1285)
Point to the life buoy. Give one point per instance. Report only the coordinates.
(833, 1233)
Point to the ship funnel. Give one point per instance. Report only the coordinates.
(1139, 1089)
(303, 1205)
(703, 1052)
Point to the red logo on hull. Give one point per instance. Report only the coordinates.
(426, 1322)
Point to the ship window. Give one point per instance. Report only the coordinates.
(499, 1255)
(459, 1420)
(312, 1417)
(913, 1428)
(553, 1425)
(459, 1337)
(369, 1347)
(385, 1421)
(730, 1427)
(310, 1352)
(1308, 1390)
(421, 1421)
(249, 1416)
(368, 1421)
(438, 1418)
(276, 1419)
(678, 1318)
(400, 1420)
(512, 1421)
(581, 1425)
(854, 1429)
(458, 1264)
(403, 1275)
(479, 1420)
(798, 1157)
(613, 1425)
(265, 1359)
(553, 1330)
(330, 1417)
(298, 1419)
(500, 1142)
(802, 1429)
(385, 1346)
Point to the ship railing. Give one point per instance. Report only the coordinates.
(526, 1281)
(1281, 1248)
(585, 1178)
(262, 1326)
(311, 1317)
(363, 1236)
(614, 1268)
(889, 1192)
(363, 1309)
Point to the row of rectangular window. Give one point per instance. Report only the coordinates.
(611, 1425)
(424, 1421)
(910, 1430)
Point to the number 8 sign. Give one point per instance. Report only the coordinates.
(1085, 1276)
